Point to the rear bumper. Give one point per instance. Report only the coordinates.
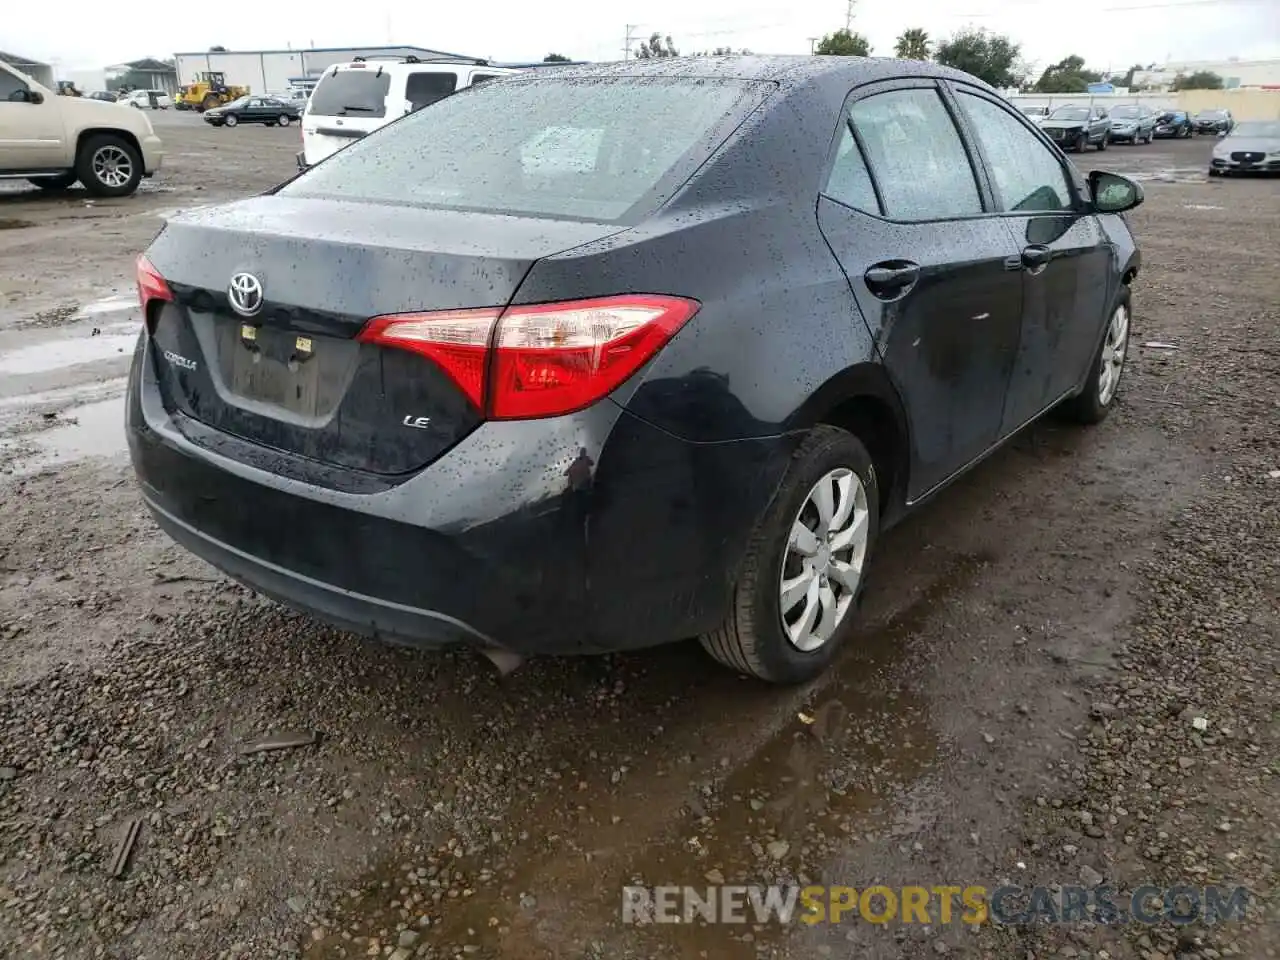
(578, 534)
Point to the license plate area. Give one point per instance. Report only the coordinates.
(299, 373)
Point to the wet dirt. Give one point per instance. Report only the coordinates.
(468, 815)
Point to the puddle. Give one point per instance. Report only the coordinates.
(817, 787)
(115, 340)
(97, 432)
(8, 223)
(1201, 206)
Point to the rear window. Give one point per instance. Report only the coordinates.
(581, 148)
(351, 92)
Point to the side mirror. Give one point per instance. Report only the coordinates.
(1112, 193)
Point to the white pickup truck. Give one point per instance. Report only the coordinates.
(54, 141)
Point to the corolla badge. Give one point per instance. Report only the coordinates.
(245, 294)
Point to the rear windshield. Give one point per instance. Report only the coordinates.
(351, 92)
(581, 148)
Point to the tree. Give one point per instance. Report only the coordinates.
(842, 43)
(1067, 76)
(1200, 80)
(988, 56)
(723, 52)
(913, 44)
(555, 58)
(218, 49)
(657, 46)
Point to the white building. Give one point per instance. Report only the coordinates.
(274, 71)
(41, 73)
(1235, 74)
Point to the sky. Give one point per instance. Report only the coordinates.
(1109, 34)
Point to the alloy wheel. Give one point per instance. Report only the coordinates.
(1113, 354)
(822, 565)
(112, 166)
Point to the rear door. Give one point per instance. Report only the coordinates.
(347, 104)
(935, 275)
(1063, 251)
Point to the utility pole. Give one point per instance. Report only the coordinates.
(626, 45)
(848, 15)
(812, 41)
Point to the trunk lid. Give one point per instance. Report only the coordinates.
(291, 376)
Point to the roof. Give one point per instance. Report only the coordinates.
(16, 61)
(150, 65)
(784, 70)
(353, 50)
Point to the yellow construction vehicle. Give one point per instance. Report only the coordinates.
(209, 91)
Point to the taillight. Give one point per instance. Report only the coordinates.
(151, 286)
(541, 360)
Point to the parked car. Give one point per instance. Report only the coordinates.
(351, 100)
(1034, 114)
(675, 384)
(1074, 128)
(54, 141)
(1173, 123)
(146, 100)
(1252, 146)
(1132, 123)
(1213, 121)
(104, 95)
(265, 110)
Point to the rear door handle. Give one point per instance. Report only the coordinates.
(891, 279)
(1036, 257)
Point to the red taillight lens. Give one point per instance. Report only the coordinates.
(151, 286)
(457, 340)
(542, 360)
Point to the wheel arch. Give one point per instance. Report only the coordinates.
(862, 400)
(127, 135)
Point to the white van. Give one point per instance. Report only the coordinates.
(351, 100)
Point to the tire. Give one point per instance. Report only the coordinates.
(753, 639)
(231, 120)
(1102, 144)
(109, 165)
(284, 120)
(210, 101)
(58, 182)
(1093, 404)
(1082, 142)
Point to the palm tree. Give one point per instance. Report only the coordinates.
(913, 44)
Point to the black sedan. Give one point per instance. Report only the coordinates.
(265, 110)
(1075, 128)
(662, 358)
(1213, 121)
(1173, 124)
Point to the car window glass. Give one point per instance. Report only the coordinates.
(850, 182)
(481, 77)
(353, 92)
(424, 89)
(1028, 177)
(916, 155)
(10, 85)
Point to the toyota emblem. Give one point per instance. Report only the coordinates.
(245, 294)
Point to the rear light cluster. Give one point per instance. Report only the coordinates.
(541, 360)
(151, 286)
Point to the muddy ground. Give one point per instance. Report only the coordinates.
(1069, 671)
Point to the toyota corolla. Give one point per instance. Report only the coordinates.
(620, 354)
